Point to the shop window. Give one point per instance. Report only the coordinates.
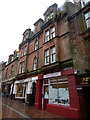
(47, 57)
(87, 19)
(21, 89)
(11, 69)
(53, 54)
(58, 91)
(47, 36)
(36, 44)
(52, 32)
(35, 63)
(21, 68)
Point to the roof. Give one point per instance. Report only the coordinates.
(53, 5)
(27, 30)
(39, 20)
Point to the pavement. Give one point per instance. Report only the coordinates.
(12, 109)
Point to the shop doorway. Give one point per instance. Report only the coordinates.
(86, 95)
(31, 97)
(45, 94)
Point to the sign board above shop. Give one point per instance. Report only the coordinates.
(52, 75)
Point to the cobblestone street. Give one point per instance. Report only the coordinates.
(14, 109)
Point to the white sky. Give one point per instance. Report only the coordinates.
(15, 17)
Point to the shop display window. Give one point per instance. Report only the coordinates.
(58, 91)
(21, 88)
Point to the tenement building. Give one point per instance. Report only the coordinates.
(51, 70)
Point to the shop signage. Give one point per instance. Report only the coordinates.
(85, 80)
(52, 75)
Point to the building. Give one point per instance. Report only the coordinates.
(54, 62)
(9, 74)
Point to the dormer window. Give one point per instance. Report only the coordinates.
(11, 58)
(47, 17)
(17, 54)
(36, 44)
(87, 19)
(25, 37)
(52, 14)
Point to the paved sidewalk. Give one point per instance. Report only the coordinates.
(14, 109)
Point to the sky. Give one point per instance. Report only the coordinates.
(15, 17)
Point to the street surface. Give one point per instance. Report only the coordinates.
(14, 109)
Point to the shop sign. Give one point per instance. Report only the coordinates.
(85, 81)
(52, 75)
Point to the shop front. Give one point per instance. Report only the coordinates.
(83, 88)
(57, 93)
(24, 90)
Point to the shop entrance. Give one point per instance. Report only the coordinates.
(86, 94)
(31, 97)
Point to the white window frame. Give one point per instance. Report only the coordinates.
(51, 14)
(21, 67)
(25, 50)
(52, 32)
(46, 57)
(52, 50)
(47, 36)
(87, 19)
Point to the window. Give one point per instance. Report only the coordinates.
(52, 32)
(87, 18)
(11, 69)
(58, 91)
(36, 44)
(35, 63)
(47, 36)
(53, 54)
(11, 58)
(25, 50)
(47, 57)
(51, 14)
(25, 37)
(21, 68)
(22, 53)
(6, 73)
(17, 54)
(47, 18)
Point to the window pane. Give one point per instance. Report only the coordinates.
(22, 67)
(88, 23)
(47, 36)
(87, 15)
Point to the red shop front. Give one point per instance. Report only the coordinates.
(57, 93)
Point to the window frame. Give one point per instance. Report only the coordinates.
(21, 67)
(52, 54)
(47, 35)
(52, 32)
(12, 69)
(87, 19)
(46, 57)
(35, 63)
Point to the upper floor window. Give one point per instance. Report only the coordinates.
(22, 53)
(11, 69)
(21, 68)
(46, 57)
(11, 58)
(47, 18)
(53, 54)
(6, 73)
(87, 18)
(52, 32)
(17, 54)
(47, 36)
(52, 14)
(36, 44)
(25, 37)
(35, 63)
(25, 50)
